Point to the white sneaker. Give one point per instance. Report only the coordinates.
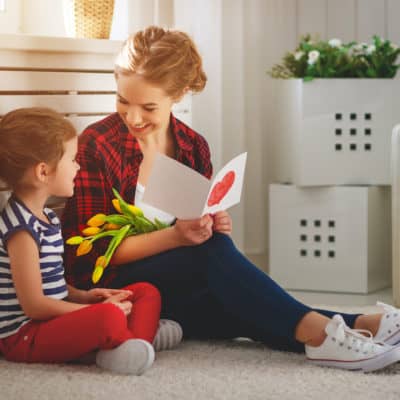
(168, 336)
(132, 357)
(348, 349)
(389, 328)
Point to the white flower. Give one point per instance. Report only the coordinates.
(370, 49)
(358, 49)
(335, 43)
(298, 55)
(313, 57)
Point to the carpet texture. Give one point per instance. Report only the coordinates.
(203, 370)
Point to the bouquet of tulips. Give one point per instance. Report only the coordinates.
(130, 220)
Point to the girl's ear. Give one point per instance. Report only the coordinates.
(42, 172)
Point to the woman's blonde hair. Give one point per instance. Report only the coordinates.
(166, 58)
(29, 136)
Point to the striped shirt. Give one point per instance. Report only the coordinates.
(16, 217)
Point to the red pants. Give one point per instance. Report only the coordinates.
(98, 326)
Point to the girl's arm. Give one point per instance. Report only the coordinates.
(27, 280)
(77, 295)
(25, 271)
(95, 295)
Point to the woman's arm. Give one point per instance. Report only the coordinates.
(183, 233)
(25, 270)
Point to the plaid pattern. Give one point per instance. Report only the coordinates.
(109, 156)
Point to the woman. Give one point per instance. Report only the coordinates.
(206, 284)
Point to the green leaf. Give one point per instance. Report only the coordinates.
(159, 224)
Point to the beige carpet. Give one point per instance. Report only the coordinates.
(203, 370)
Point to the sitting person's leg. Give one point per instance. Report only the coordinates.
(215, 282)
(249, 302)
(144, 322)
(99, 327)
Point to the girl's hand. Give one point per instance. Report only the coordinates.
(98, 294)
(194, 231)
(222, 222)
(120, 301)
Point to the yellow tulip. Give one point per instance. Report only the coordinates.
(116, 205)
(135, 210)
(84, 248)
(101, 262)
(97, 274)
(110, 226)
(75, 240)
(97, 220)
(91, 230)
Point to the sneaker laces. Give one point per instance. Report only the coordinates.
(361, 340)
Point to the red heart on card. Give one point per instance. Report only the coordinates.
(221, 189)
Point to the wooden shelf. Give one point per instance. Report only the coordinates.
(58, 44)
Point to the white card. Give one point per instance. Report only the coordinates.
(179, 190)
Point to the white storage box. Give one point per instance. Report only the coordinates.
(330, 238)
(334, 131)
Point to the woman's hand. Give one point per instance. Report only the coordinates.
(98, 294)
(120, 301)
(222, 222)
(194, 231)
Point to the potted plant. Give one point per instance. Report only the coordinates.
(336, 106)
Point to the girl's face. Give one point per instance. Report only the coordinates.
(61, 181)
(143, 107)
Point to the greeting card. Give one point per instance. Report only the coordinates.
(183, 192)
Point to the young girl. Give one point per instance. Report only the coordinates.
(206, 284)
(42, 319)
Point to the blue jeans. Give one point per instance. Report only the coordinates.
(213, 291)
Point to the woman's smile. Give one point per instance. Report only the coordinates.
(139, 129)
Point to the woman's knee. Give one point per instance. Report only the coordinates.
(218, 239)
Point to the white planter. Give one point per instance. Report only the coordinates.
(330, 238)
(334, 131)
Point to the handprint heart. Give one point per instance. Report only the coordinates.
(221, 188)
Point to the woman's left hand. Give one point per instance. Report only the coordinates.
(222, 222)
(99, 294)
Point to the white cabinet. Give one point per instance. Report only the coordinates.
(330, 238)
(334, 131)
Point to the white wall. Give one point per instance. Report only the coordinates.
(10, 16)
(239, 40)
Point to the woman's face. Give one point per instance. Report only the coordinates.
(144, 108)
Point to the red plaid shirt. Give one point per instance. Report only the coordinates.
(109, 156)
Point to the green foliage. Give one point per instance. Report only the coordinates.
(332, 59)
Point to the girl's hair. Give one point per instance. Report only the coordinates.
(166, 58)
(29, 136)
